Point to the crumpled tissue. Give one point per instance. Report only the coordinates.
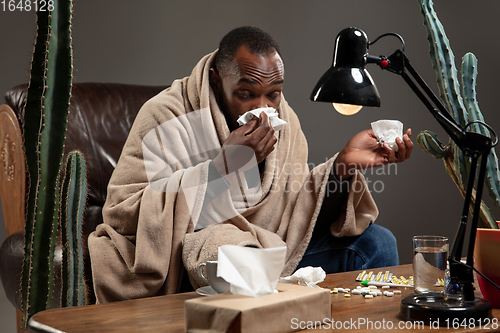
(387, 131)
(306, 276)
(250, 271)
(276, 122)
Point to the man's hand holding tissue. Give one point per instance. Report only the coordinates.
(257, 134)
(364, 151)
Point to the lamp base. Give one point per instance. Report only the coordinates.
(435, 308)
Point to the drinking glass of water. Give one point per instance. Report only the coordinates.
(430, 258)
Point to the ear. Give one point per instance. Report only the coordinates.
(215, 81)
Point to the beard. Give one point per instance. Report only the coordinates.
(230, 116)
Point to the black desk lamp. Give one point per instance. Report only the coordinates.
(348, 82)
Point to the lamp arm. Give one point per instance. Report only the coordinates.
(399, 64)
(473, 144)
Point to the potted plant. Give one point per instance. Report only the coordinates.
(49, 205)
(463, 106)
(487, 262)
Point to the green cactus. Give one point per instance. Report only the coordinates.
(44, 131)
(74, 196)
(469, 74)
(464, 109)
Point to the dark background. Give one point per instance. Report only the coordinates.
(154, 42)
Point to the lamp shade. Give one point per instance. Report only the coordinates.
(347, 81)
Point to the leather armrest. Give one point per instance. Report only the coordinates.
(11, 265)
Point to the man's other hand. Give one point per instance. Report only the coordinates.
(364, 151)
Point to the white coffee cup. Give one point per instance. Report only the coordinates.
(217, 283)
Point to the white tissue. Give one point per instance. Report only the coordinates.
(276, 122)
(250, 271)
(306, 276)
(387, 131)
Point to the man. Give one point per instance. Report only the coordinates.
(190, 179)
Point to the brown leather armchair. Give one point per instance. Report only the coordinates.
(101, 115)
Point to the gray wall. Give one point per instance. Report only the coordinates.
(155, 42)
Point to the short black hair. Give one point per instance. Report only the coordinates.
(256, 40)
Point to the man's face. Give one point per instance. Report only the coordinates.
(257, 84)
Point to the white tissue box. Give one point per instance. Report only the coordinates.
(270, 313)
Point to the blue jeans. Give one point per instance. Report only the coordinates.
(376, 247)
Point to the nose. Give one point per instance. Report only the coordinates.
(260, 103)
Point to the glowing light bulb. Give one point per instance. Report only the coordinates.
(347, 109)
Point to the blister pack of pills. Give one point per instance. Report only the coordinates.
(386, 276)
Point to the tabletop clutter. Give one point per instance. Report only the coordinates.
(371, 281)
(256, 294)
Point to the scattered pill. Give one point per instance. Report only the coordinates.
(386, 287)
(397, 291)
(334, 291)
(389, 294)
(347, 295)
(372, 287)
(403, 280)
(356, 292)
(368, 296)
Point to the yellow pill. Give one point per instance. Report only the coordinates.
(347, 295)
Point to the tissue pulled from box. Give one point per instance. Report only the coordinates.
(276, 122)
(387, 131)
(306, 276)
(250, 271)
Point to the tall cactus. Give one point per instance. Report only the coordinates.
(74, 196)
(464, 108)
(44, 130)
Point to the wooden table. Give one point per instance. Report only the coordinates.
(166, 313)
